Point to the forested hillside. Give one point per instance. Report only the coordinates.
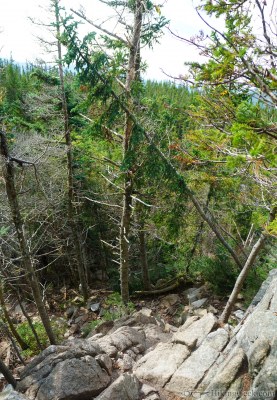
(139, 187)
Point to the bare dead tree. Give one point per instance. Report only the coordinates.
(26, 257)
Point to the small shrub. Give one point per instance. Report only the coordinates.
(27, 335)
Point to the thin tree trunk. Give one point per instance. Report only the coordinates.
(103, 255)
(27, 261)
(19, 339)
(5, 329)
(124, 240)
(7, 374)
(242, 276)
(199, 231)
(70, 182)
(132, 74)
(28, 320)
(143, 260)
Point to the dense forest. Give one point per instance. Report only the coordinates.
(112, 181)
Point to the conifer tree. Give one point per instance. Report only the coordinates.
(71, 197)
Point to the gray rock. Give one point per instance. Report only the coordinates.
(75, 379)
(199, 303)
(95, 307)
(71, 311)
(153, 396)
(257, 355)
(212, 309)
(126, 387)
(146, 390)
(10, 394)
(122, 339)
(193, 369)
(226, 375)
(154, 335)
(170, 300)
(54, 368)
(105, 362)
(125, 363)
(234, 390)
(144, 317)
(158, 365)
(200, 312)
(265, 382)
(195, 333)
(264, 288)
(193, 294)
(239, 314)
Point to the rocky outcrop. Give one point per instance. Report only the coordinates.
(222, 363)
(84, 368)
(139, 357)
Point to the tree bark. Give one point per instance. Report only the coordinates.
(132, 74)
(70, 181)
(27, 261)
(199, 231)
(143, 260)
(242, 276)
(24, 312)
(19, 339)
(7, 374)
(5, 329)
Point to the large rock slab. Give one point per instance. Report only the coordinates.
(126, 387)
(266, 380)
(80, 369)
(193, 369)
(158, 365)
(226, 376)
(75, 379)
(252, 352)
(196, 332)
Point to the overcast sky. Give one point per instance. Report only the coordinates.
(18, 37)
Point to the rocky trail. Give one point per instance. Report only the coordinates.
(171, 347)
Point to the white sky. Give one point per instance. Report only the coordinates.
(18, 37)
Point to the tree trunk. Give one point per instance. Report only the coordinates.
(124, 241)
(132, 74)
(7, 374)
(27, 262)
(198, 235)
(19, 339)
(24, 312)
(242, 276)
(5, 329)
(143, 260)
(70, 182)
